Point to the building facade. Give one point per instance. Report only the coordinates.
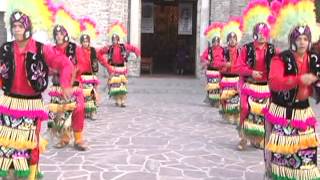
(129, 12)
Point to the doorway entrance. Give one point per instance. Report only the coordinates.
(168, 36)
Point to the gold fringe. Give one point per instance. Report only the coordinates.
(5, 163)
(212, 86)
(22, 138)
(118, 79)
(256, 108)
(292, 144)
(22, 104)
(257, 88)
(228, 93)
(305, 173)
(59, 108)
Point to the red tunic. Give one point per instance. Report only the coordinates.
(280, 82)
(233, 53)
(245, 70)
(54, 60)
(78, 67)
(85, 60)
(217, 57)
(116, 57)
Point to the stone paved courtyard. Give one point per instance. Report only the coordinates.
(165, 133)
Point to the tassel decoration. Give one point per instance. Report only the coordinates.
(256, 91)
(291, 144)
(18, 108)
(285, 173)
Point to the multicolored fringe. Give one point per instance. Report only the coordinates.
(301, 118)
(252, 129)
(285, 173)
(256, 91)
(18, 108)
(117, 85)
(257, 108)
(283, 144)
(5, 164)
(21, 167)
(89, 79)
(229, 82)
(213, 87)
(56, 91)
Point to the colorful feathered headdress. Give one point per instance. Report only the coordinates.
(64, 17)
(255, 13)
(232, 26)
(88, 26)
(214, 30)
(118, 28)
(290, 15)
(37, 10)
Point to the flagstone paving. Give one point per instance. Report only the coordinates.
(166, 132)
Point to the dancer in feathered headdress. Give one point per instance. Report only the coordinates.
(90, 68)
(67, 114)
(253, 66)
(37, 10)
(209, 58)
(230, 100)
(117, 57)
(24, 75)
(291, 150)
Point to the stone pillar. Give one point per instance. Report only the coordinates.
(202, 23)
(135, 35)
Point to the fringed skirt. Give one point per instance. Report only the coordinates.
(292, 142)
(89, 83)
(258, 98)
(213, 87)
(60, 110)
(118, 81)
(230, 99)
(20, 124)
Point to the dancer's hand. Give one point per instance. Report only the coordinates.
(228, 65)
(256, 74)
(308, 79)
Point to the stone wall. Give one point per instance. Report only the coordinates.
(3, 33)
(104, 12)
